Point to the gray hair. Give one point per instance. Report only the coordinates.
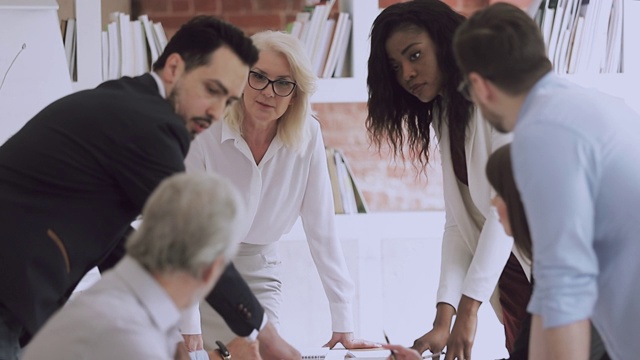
(291, 126)
(188, 222)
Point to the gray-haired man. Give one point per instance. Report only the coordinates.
(189, 233)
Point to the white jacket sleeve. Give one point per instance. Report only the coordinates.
(455, 261)
(494, 245)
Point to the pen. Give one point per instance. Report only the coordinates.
(386, 338)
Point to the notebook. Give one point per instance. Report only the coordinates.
(314, 353)
(381, 354)
(377, 354)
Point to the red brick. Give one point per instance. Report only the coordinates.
(154, 6)
(171, 22)
(290, 17)
(237, 6)
(523, 4)
(253, 22)
(170, 32)
(211, 7)
(180, 6)
(274, 5)
(386, 3)
(298, 5)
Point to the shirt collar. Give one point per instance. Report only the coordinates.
(228, 133)
(158, 80)
(161, 309)
(539, 87)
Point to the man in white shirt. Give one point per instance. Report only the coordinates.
(191, 229)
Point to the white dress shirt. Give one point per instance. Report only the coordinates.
(284, 185)
(125, 315)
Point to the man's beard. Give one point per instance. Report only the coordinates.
(173, 100)
(496, 120)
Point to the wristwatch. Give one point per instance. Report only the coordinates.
(222, 350)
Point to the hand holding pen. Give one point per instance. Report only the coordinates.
(386, 338)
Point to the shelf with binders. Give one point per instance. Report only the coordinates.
(138, 42)
(352, 87)
(88, 52)
(347, 198)
(621, 84)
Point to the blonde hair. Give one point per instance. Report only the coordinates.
(291, 125)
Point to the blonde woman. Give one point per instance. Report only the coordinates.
(271, 147)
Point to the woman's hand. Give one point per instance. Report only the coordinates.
(463, 333)
(347, 340)
(434, 341)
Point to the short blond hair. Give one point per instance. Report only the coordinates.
(291, 126)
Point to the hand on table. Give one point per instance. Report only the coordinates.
(347, 340)
(434, 341)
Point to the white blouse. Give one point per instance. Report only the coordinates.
(284, 185)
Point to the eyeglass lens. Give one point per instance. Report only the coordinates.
(280, 87)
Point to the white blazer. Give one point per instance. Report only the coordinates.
(472, 258)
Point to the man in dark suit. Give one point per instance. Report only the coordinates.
(75, 176)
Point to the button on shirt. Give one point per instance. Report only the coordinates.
(576, 160)
(284, 185)
(126, 315)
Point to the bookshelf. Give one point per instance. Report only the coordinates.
(345, 90)
(89, 50)
(352, 89)
(624, 84)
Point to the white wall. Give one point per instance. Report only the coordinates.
(34, 76)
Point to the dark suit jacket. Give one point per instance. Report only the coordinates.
(72, 179)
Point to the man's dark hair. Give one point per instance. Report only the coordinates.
(504, 45)
(398, 116)
(196, 40)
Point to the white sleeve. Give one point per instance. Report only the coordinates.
(318, 220)
(190, 321)
(454, 263)
(492, 252)
(199, 355)
(494, 245)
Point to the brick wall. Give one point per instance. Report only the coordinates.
(387, 185)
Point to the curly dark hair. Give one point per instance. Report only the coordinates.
(396, 116)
